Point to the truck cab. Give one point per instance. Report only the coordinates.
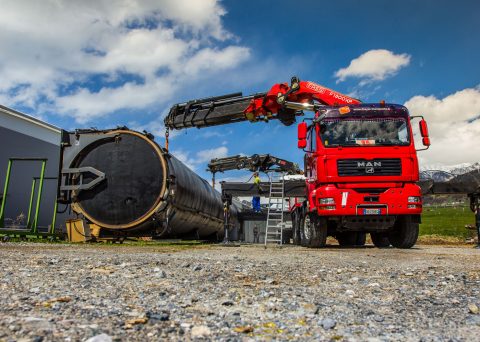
(361, 170)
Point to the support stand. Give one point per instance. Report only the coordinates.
(226, 221)
(227, 202)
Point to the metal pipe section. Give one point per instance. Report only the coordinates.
(143, 187)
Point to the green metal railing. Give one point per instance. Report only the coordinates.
(33, 224)
(33, 212)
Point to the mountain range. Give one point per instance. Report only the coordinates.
(449, 173)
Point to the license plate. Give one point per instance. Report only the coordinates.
(372, 211)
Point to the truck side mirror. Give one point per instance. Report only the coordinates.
(423, 128)
(302, 135)
(424, 132)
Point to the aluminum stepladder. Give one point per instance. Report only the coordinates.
(275, 214)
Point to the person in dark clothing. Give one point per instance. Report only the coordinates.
(256, 237)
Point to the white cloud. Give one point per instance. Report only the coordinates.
(454, 126)
(140, 53)
(207, 155)
(201, 158)
(374, 65)
(183, 156)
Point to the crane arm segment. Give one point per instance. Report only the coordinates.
(282, 102)
(256, 162)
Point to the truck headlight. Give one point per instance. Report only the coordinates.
(327, 200)
(414, 199)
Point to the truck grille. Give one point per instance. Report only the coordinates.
(374, 167)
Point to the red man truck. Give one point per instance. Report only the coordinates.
(361, 170)
(361, 164)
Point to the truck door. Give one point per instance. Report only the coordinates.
(309, 159)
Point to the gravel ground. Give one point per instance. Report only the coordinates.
(103, 293)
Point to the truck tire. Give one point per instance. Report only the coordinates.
(319, 233)
(404, 233)
(296, 228)
(346, 238)
(286, 236)
(352, 238)
(314, 231)
(361, 239)
(380, 240)
(305, 230)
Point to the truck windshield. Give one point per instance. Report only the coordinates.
(361, 132)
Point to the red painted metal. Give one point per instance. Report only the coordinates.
(307, 92)
(323, 180)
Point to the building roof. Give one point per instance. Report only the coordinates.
(28, 125)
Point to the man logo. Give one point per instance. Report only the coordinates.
(369, 164)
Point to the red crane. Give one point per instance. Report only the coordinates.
(282, 101)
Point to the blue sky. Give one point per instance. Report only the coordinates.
(91, 64)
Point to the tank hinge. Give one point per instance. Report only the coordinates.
(72, 178)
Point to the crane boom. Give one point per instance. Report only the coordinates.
(211, 111)
(256, 162)
(283, 102)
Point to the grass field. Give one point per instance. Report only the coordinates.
(437, 223)
(447, 221)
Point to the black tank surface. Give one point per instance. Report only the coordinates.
(144, 188)
(134, 184)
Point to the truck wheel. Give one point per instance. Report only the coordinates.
(319, 233)
(361, 239)
(404, 233)
(351, 239)
(287, 235)
(380, 240)
(305, 231)
(296, 229)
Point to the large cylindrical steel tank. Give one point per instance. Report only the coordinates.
(144, 187)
